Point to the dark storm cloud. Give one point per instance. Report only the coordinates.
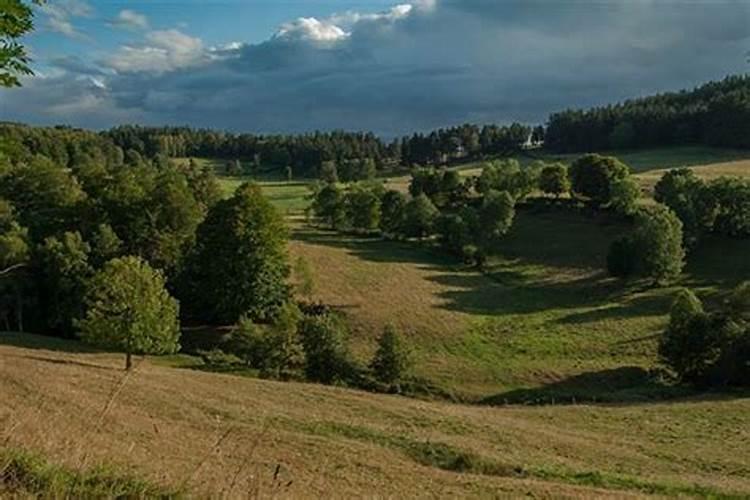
(410, 68)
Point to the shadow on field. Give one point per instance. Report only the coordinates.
(45, 342)
(623, 385)
(374, 248)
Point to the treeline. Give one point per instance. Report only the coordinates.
(714, 114)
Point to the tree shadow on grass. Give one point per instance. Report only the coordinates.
(68, 362)
(623, 385)
(45, 342)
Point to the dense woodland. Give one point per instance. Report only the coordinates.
(714, 114)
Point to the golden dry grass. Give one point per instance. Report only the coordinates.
(740, 168)
(227, 436)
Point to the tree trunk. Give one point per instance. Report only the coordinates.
(128, 361)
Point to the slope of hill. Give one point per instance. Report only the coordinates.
(220, 434)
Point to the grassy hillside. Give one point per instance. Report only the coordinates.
(545, 316)
(209, 433)
(544, 323)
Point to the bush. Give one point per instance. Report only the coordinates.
(420, 216)
(624, 194)
(326, 355)
(496, 216)
(553, 179)
(688, 196)
(658, 237)
(392, 360)
(275, 350)
(708, 348)
(393, 212)
(592, 177)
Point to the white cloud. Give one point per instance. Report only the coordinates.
(130, 19)
(60, 15)
(415, 66)
(162, 51)
(311, 30)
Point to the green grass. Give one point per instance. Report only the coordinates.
(544, 323)
(23, 474)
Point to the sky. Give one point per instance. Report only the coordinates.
(292, 66)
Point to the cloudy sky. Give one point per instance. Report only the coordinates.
(299, 65)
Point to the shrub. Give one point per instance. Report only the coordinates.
(392, 209)
(275, 350)
(326, 354)
(708, 348)
(328, 204)
(128, 308)
(553, 179)
(420, 216)
(658, 237)
(496, 216)
(392, 360)
(624, 194)
(688, 196)
(592, 176)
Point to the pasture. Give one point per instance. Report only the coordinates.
(204, 433)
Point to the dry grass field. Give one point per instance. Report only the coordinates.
(205, 433)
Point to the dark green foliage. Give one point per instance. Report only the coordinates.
(732, 198)
(65, 273)
(592, 177)
(496, 216)
(624, 195)
(328, 205)
(15, 257)
(326, 354)
(454, 233)
(363, 207)
(393, 212)
(275, 349)
(128, 308)
(715, 114)
(553, 179)
(419, 217)
(239, 264)
(658, 237)
(690, 199)
(709, 348)
(105, 245)
(46, 197)
(623, 257)
(509, 176)
(392, 360)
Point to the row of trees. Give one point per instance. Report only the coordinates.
(313, 346)
(715, 114)
(720, 206)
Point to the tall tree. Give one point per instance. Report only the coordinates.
(240, 263)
